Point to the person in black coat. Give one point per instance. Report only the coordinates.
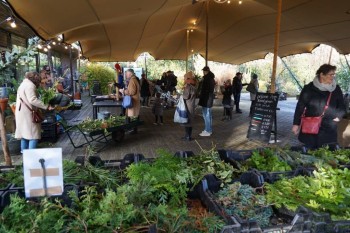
(237, 86)
(227, 101)
(206, 100)
(312, 100)
(145, 90)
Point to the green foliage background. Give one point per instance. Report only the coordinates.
(100, 72)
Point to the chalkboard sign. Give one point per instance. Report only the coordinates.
(263, 117)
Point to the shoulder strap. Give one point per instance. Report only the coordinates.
(327, 104)
(30, 109)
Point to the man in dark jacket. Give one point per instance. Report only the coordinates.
(237, 89)
(206, 100)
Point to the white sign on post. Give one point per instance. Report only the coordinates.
(43, 172)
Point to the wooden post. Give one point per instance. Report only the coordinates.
(4, 143)
(187, 47)
(207, 32)
(275, 52)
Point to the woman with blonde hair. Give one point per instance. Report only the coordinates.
(27, 100)
(189, 96)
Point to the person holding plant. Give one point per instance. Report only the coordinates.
(319, 109)
(28, 131)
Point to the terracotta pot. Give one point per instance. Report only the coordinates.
(13, 108)
(104, 125)
(3, 104)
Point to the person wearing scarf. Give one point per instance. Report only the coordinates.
(313, 98)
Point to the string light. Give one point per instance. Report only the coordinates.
(239, 2)
(45, 49)
(39, 46)
(54, 42)
(13, 24)
(48, 46)
(66, 47)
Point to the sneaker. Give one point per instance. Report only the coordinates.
(205, 134)
(155, 123)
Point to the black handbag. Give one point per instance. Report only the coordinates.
(251, 88)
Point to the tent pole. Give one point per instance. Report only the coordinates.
(275, 51)
(71, 70)
(330, 56)
(207, 32)
(187, 45)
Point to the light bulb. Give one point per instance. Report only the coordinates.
(54, 42)
(66, 47)
(59, 38)
(45, 49)
(40, 46)
(191, 30)
(228, 2)
(48, 46)
(192, 50)
(194, 23)
(240, 2)
(13, 24)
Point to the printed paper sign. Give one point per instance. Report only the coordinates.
(34, 182)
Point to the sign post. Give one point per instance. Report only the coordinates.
(263, 117)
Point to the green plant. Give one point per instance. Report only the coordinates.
(14, 177)
(209, 162)
(267, 160)
(47, 94)
(341, 156)
(326, 191)
(103, 74)
(243, 201)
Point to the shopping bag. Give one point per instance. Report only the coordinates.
(181, 115)
(127, 101)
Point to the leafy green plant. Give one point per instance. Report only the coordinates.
(341, 156)
(209, 162)
(101, 73)
(47, 94)
(14, 177)
(267, 160)
(243, 201)
(326, 191)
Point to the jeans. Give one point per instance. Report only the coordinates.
(237, 98)
(207, 115)
(28, 144)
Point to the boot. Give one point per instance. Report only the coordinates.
(190, 134)
(186, 134)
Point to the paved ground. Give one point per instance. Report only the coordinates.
(230, 135)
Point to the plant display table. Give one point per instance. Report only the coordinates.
(104, 104)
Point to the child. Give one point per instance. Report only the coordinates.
(157, 109)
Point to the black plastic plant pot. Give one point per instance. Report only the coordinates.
(6, 197)
(131, 158)
(5, 186)
(184, 154)
(253, 178)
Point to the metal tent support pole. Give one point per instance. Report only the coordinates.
(276, 47)
(71, 70)
(187, 47)
(206, 32)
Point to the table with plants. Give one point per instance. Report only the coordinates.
(208, 192)
(101, 130)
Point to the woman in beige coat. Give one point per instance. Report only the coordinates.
(133, 90)
(26, 130)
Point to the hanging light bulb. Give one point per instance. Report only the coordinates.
(66, 47)
(228, 2)
(54, 42)
(45, 49)
(59, 38)
(13, 24)
(192, 51)
(240, 2)
(48, 46)
(191, 30)
(40, 46)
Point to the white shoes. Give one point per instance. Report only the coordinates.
(205, 134)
